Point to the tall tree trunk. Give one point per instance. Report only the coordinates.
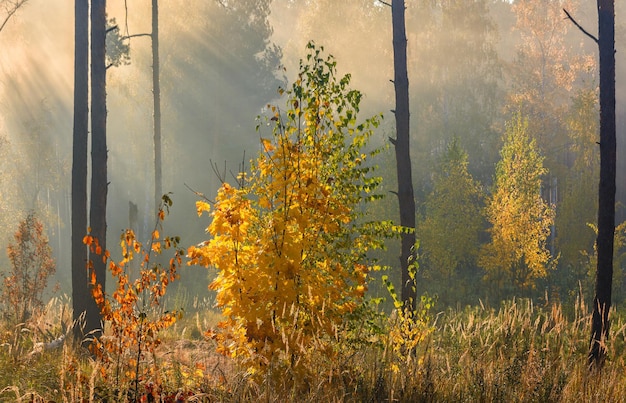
(81, 298)
(606, 194)
(156, 90)
(97, 218)
(403, 158)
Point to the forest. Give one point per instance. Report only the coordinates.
(312, 200)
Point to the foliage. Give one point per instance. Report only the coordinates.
(134, 313)
(117, 47)
(32, 264)
(290, 245)
(517, 254)
(449, 231)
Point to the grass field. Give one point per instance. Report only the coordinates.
(519, 352)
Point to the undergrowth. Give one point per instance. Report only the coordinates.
(519, 352)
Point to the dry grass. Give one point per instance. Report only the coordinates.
(519, 352)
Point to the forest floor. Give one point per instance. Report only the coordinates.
(519, 352)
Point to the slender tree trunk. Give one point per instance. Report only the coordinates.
(403, 159)
(156, 90)
(606, 194)
(99, 182)
(81, 298)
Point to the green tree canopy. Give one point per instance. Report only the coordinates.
(449, 232)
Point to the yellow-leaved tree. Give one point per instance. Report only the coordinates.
(517, 254)
(290, 242)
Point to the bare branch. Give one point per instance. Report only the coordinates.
(385, 3)
(134, 36)
(11, 11)
(199, 194)
(584, 31)
(221, 176)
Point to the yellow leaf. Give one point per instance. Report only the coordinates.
(267, 145)
(202, 207)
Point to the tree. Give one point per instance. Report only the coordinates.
(290, 244)
(99, 183)
(600, 323)
(156, 91)
(406, 198)
(520, 219)
(10, 7)
(449, 232)
(31, 265)
(81, 295)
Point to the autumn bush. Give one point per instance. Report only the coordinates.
(290, 241)
(32, 264)
(133, 313)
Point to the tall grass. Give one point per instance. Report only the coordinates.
(519, 352)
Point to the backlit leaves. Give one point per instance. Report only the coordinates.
(517, 254)
(133, 312)
(288, 246)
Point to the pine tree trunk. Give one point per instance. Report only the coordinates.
(403, 159)
(81, 298)
(606, 194)
(97, 218)
(156, 89)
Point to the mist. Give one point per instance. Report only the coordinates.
(221, 64)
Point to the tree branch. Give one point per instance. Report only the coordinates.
(11, 12)
(384, 2)
(134, 36)
(113, 28)
(584, 31)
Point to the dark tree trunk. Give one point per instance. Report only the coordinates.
(81, 298)
(403, 159)
(156, 89)
(606, 194)
(97, 218)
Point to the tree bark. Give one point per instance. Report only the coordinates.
(156, 90)
(606, 193)
(406, 198)
(97, 218)
(81, 298)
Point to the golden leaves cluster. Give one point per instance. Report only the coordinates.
(517, 254)
(287, 245)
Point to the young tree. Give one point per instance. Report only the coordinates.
(520, 219)
(406, 198)
(449, 232)
(31, 266)
(290, 244)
